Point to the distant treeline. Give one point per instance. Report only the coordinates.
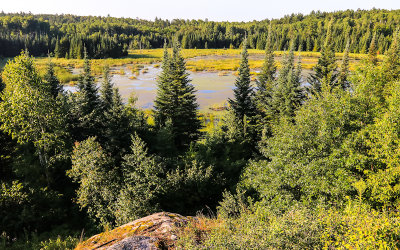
(67, 35)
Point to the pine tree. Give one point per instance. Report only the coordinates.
(287, 94)
(52, 81)
(57, 52)
(86, 105)
(391, 64)
(268, 70)
(326, 68)
(344, 69)
(87, 87)
(106, 89)
(163, 92)
(243, 102)
(372, 54)
(176, 100)
(265, 85)
(142, 183)
(116, 126)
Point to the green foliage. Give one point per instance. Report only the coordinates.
(85, 111)
(391, 64)
(69, 243)
(94, 171)
(355, 227)
(52, 81)
(287, 94)
(142, 184)
(328, 176)
(383, 143)
(106, 89)
(372, 52)
(176, 100)
(29, 114)
(325, 72)
(243, 102)
(191, 186)
(24, 209)
(265, 84)
(306, 163)
(343, 77)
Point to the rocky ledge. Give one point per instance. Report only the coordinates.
(157, 231)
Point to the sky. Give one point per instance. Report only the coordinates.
(215, 10)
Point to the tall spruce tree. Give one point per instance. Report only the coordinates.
(326, 69)
(117, 129)
(373, 51)
(86, 105)
(268, 70)
(243, 102)
(265, 84)
(391, 64)
(52, 81)
(287, 94)
(176, 100)
(344, 69)
(163, 92)
(106, 89)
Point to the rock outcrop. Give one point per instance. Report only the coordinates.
(157, 231)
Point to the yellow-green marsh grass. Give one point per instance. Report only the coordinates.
(197, 60)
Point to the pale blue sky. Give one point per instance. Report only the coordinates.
(218, 10)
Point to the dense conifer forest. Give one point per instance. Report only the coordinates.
(288, 166)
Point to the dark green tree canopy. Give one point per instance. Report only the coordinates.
(176, 100)
(242, 103)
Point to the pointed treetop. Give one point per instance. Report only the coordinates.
(51, 80)
(373, 52)
(391, 64)
(242, 103)
(344, 68)
(106, 89)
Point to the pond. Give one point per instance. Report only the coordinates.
(212, 89)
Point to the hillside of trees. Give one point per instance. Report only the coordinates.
(67, 35)
(289, 166)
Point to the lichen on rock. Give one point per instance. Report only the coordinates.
(152, 232)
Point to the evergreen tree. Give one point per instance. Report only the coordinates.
(243, 102)
(142, 183)
(326, 68)
(344, 69)
(163, 92)
(52, 81)
(117, 129)
(86, 105)
(373, 51)
(106, 89)
(265, 85)
(176, 100)
(391, 64)
(57, 52)
(287, 94)
(268, 70)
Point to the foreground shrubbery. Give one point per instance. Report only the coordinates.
(354, 227)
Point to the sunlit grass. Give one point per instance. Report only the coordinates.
(216, 60)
